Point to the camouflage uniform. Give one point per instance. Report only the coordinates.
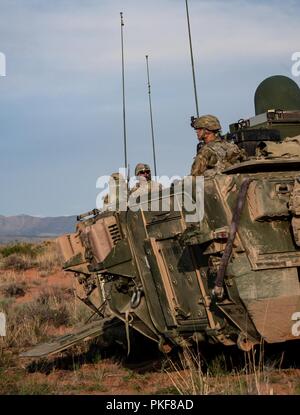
(217, 154)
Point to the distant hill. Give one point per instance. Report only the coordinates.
(30, 227)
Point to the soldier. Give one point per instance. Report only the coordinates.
(216, 153)
(145, 184)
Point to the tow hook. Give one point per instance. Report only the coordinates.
(136, 297)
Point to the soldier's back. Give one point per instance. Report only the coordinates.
(216, 156)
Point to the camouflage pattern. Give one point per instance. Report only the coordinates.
(210, 122)
(216, 156)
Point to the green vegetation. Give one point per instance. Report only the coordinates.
(23, 256)
(28, 249)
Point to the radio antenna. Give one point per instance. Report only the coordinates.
(151, 117)
(192, 57)
(123, 88)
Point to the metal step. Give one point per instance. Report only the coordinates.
(58, 344)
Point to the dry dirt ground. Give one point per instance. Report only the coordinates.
(39, 302)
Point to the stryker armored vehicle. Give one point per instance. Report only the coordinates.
(231, 277)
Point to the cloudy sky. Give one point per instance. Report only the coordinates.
(61, 101)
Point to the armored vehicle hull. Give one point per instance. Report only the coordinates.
(157, 273)
(232, 276)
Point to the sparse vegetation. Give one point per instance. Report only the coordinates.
(17, 262)
(14, 290)
(26, 249)
(12, 284)
(28, 323)
(37, 307)
(23, 256)
(188, 376)
(297, 388)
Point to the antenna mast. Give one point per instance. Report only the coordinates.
(192, 57)
(151, 118)
(123, 87)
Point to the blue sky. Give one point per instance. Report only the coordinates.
(61, 101)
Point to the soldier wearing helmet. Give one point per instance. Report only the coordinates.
(144, 184)
(143, 172)
(216, 153)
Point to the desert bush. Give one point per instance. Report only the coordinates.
(49, 260)
(26, 249)
(28, 323)
(14, 383)
(5, 304)
(12, 284)
(55, 316)
(44, 256)
(14, 289)
(17, 262)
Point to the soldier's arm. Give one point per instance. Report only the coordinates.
(200, 164)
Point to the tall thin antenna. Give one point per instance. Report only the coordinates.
(123, 87)
(151, 117)
(192, 57)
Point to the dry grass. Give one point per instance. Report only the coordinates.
(189, 378)
(12, 284)
(29, 323)
(49, 260)
(54, 309)
(45, 256)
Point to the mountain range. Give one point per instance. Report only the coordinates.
(31, 227)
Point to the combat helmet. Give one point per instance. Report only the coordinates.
(210, 122)
(141, 167)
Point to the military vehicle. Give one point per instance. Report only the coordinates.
(230, 278)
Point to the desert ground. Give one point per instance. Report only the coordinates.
(39, 302)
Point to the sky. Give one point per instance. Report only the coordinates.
(61, 124)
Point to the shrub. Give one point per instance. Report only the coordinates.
(27, 249)
(45, 256)
(14, 289)
(17, 262)
(28, 323)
